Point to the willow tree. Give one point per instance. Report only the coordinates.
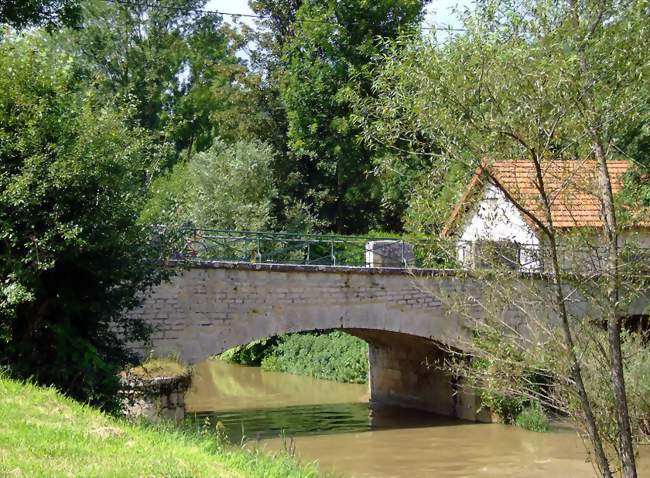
(534, 81)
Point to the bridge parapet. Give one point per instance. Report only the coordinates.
(313, 249)
(412, 253)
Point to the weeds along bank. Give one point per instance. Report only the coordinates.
(330, 355)
(45, 434)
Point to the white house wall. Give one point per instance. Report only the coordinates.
(495, 218)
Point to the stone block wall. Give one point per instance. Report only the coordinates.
(155, 398)
(407, 371)
(207, 310)
(403, 316)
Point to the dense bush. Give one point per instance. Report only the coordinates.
(251, 354)
(332, 355)
(73, 256)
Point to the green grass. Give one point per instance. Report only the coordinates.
(43, 434)
(159, 367)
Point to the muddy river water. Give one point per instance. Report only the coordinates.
(332, 423)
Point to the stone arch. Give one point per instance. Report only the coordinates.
(213, 307)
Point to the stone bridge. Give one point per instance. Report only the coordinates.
(403, 314)
(214, 306)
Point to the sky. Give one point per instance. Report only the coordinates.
(439, 13)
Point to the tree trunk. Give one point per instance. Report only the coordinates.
(592, 117)
(576, 372)
(614, 317)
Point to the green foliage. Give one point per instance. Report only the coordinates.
(225, 187)
(533, 418)
(47, 435)
(507, 408)
(499, 385)
(72, 257)
(51, 14)
(178, 65)
(331, 356)
(327, 164)
(510, 88)
(636, 353)
(251, 354)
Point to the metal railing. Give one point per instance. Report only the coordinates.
(311, 249)
(363, 251)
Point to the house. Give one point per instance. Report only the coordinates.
(486, 225)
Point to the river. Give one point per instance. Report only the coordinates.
(331, 423)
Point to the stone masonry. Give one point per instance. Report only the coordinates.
(214, 306)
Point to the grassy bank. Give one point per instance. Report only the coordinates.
(44, 434)
(332, 355)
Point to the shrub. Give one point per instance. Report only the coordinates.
(533, 418)
(250, 354)
(331, 356)
(73, 257)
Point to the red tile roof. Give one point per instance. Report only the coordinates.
(572, 187)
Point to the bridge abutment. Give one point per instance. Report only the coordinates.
(407, 371)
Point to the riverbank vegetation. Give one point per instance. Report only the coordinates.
(330, 355)
(158, 368)
(121, 121)
(74, 255)
(45, 434)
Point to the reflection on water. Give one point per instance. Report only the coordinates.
(217, 385)
(301, 420)
(333, 424)
(295, 420)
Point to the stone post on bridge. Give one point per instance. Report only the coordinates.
(389, 253)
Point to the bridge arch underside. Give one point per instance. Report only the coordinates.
(205, 311)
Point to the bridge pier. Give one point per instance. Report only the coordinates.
(406, 371)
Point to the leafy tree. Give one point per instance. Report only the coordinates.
(224, 187)
(73, 176)
(52, 14)
(532, 81)
(316, 51)
(177, 63)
